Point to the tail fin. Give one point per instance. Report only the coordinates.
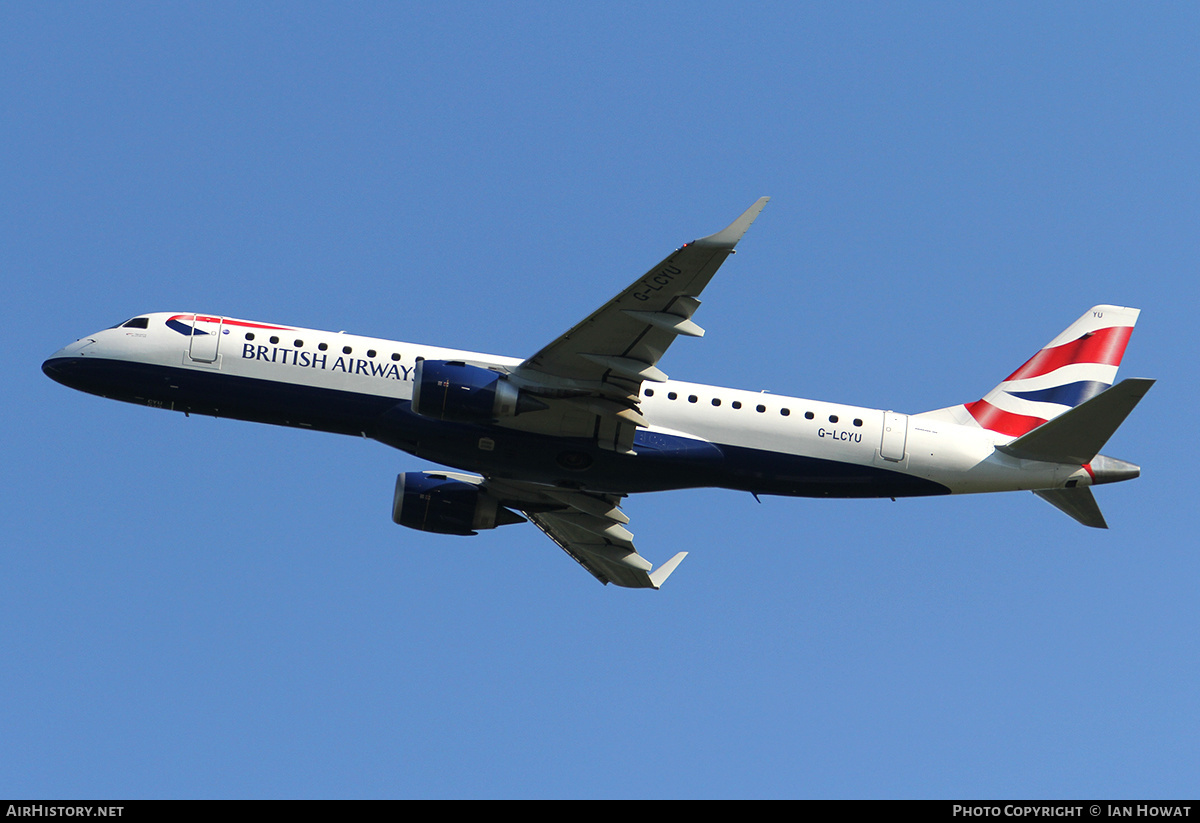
(1072, 368)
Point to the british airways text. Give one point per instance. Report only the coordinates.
(313, 360)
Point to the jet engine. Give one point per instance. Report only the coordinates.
(433, 502)
(453, 390)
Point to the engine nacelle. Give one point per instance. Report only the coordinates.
(452, 390)
(433, 502)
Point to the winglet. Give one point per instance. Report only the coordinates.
(659, 575)
(728, 237)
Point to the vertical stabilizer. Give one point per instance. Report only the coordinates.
(1071, 369)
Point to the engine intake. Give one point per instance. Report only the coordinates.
(453, 390)
(432, 502)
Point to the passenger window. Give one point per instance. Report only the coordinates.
(737, 404)
(760, 409)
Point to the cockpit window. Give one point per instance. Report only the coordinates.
(137, 323)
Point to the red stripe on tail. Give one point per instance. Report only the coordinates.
(998, 420)
(1105, 347)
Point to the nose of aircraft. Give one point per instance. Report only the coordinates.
(52, 368)
(59, 367)
(65, 365)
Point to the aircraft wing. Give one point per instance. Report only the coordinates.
(610, 559)
(588, 526)
(598, 366)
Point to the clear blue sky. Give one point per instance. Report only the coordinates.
(205, 608)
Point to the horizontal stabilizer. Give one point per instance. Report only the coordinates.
(1077, 502)
(1078, 434)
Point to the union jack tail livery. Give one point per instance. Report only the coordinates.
(1061, 407)
(1069, 370)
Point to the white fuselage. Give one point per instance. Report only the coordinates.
(348, 383)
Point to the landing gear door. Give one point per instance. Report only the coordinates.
(895, 436)
(205, 340)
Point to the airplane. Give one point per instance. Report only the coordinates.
(562, 437)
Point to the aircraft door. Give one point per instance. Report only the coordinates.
(205, 340)
(895, 436)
